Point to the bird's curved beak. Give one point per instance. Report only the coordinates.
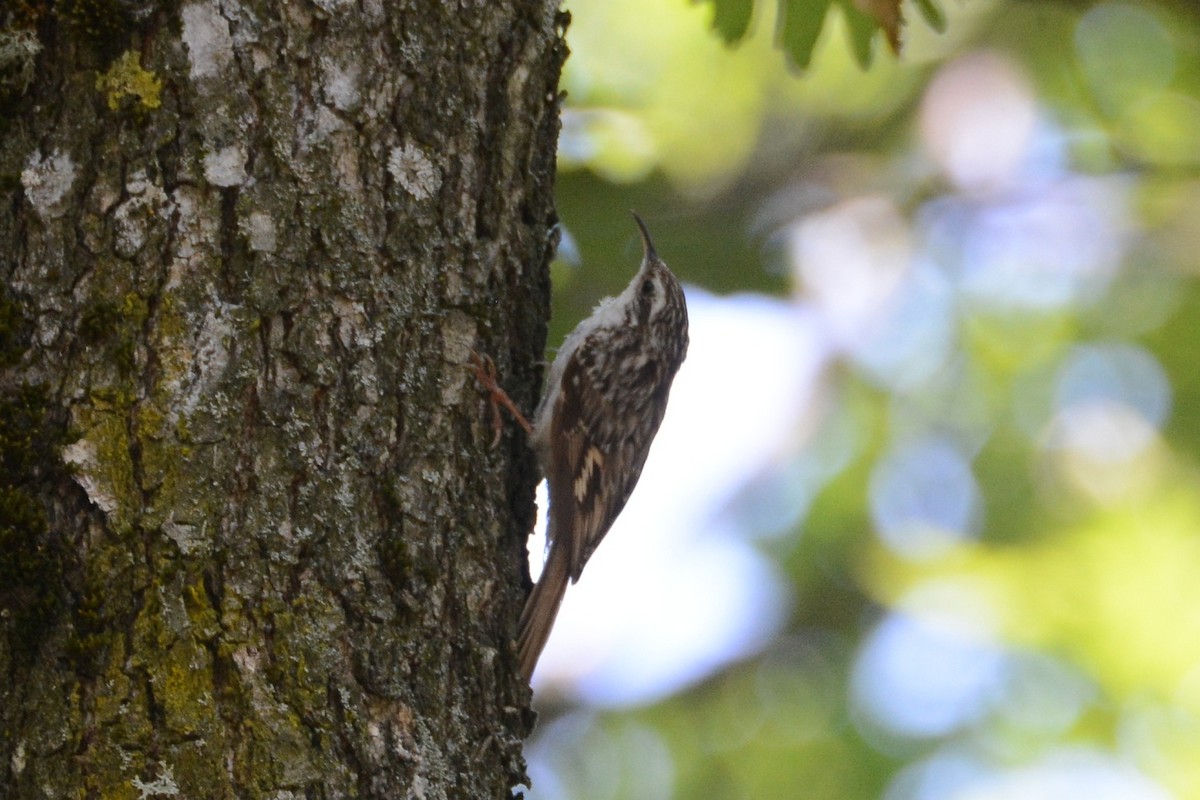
(647, 242)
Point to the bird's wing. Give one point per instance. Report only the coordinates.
(589, 479)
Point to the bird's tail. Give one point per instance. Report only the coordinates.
(537, 619)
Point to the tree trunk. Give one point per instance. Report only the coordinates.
(254, 539)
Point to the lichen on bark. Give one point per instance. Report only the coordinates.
(260, 546)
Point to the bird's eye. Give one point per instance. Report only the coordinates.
(647, 288)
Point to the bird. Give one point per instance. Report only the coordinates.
(605, 396)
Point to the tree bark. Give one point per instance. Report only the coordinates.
(254, 541)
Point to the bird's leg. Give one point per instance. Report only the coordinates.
(485, 373)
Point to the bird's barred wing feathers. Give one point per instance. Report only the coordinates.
(594, 471)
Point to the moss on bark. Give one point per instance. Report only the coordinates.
(259, 543)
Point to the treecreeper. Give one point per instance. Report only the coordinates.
(605, 396)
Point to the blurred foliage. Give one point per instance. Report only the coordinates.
(799, 23)
(1071, 595)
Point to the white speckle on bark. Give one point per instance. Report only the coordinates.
(519, 79)
(196, 232)
(188, 538)
(244, 24)
(419, 788)
(226, 167)
(341, 85)
(373, 11)
(206, 33)
(197, 362)
(138, 183)
(316, 126)
(18, 759)
(211, 358)
(131, 231)
(47, 181)
(20, 48)
(47, 331)
(334, 5)
(261, 59)
(132, 221)
(458, 338)
(82, 455)
(104, 196)
(414, 171)
(247, 659)
(376, 743)
(259, 230)
(353, 326)
(163, 784)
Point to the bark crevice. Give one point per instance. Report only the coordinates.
(260, 543)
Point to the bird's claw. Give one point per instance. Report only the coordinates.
(485, 373)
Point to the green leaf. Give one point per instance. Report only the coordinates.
(862, 28)
(731, 19)
(799, 26)
(933, 14)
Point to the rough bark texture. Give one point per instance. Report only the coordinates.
(253, 539)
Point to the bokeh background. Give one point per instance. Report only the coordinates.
(923, 520)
